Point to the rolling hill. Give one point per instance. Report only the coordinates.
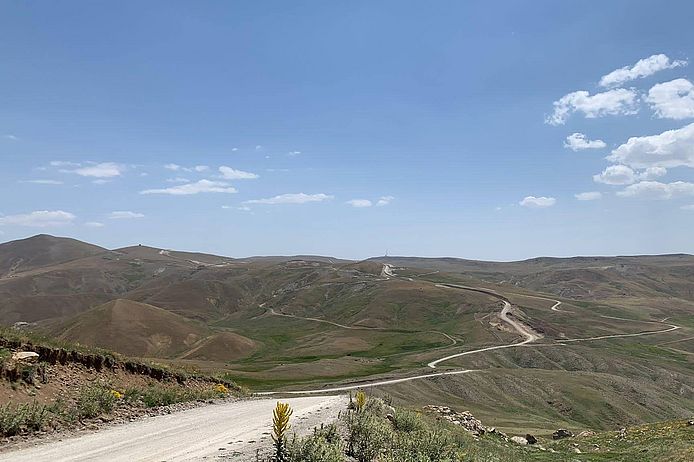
(307, 321)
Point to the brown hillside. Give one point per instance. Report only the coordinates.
(134, 329)
(225, 346)
(41, 250)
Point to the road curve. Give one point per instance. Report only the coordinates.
(528, 334)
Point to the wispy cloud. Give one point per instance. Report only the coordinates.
(124, 215)
(588, 196)
(39, 219)
(643, 68)
(51, 182)
(360, 203)
(537, 202)
(197, 168)
(232, 174)
(101, 170)
(293, 198)
(94, 224)
(10, 137)
(64, 163)
(202, 186)
(384, 200)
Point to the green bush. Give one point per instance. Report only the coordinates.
(407, 421)
(424, 446)
(15, 418)
(36, 416)
(5, 356)
(11, 419)
(95, 400)
(315, 448)
(368, 436)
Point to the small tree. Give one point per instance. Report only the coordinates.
(280, 427)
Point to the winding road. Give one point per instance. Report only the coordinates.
(530, 338)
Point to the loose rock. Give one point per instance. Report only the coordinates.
(561, 433)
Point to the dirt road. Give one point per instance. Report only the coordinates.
(230, 431)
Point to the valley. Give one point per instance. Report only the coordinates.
(586, 342)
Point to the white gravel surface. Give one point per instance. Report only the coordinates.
(230, 431)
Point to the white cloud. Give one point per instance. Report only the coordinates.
(234, 149)
(259, 147)
(616, 175)
(579, 142)
(177, 168)
(243, 208)
(293, 153)
(672, 100)
(10, 137)
(657, 190)
(102, 170)
(384, 200)
(178, 179)
(360, 203)
(672, 148)
(64, 163)
(588, 196)
(101, 181)
(124, 215)
(643, 68)
(39, 219)
(94, 224)
(202, 186)
(233, 174)
(620, 101)
(298, 198)
(53, 182)
(623, 175)
(688, 207)
(652, 173)
(538, 202)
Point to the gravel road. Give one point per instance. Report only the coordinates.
(230, 431)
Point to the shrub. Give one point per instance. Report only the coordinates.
(95, 400)
(5, 356)
(11, 419)
(407, 421)
(424, 446)
(316, 448)
(15, 418)
(36, 416)
(368, 436)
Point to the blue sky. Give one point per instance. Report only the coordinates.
(350, 128)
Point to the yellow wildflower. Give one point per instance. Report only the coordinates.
(222, 389)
